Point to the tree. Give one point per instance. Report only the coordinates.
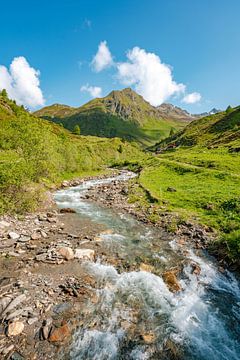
(228, 109)
(76, 130)
(172, 131)
(4, 94)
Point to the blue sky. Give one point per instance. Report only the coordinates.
(200, 40)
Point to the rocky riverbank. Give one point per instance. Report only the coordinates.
(116, 195)
(43, 285)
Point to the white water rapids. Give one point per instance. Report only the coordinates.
(199, 322)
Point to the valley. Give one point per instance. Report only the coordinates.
(95, 238)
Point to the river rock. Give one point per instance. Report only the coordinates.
(24, 238)
(196, 269)
(67, 210)
(60, 334)
(32, 320)
(84, 254)
(146, 267)
(15, 328)
(14, 314)
(148, 338)
(4, 224)
(7, 350)
(44, 332)
(66, 252)
(171, 280)
(65, 183)
(36, 235)
(14, 236)
(14, 303)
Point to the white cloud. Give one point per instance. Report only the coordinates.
(22, 83)
(94, 91)
(103, 58)
(192, 98)
(150, 77)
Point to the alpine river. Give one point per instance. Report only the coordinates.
(134, 315)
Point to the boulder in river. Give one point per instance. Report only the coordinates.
(171, 280)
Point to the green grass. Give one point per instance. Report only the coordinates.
(207, 184)
(222, 129)
(217, 159)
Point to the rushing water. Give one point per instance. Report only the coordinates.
(134, 315)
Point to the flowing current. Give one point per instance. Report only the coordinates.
(134, 315)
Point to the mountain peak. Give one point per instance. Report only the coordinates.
(127, 92)
(172, 111)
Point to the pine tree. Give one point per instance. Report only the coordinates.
(76, 130)
(4, 94)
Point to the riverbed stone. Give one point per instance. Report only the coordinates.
(148, 338)
(13, 235)
(36, 235)
(15, 328)
(196, 269)
(60, 334)
(4, 224)
(146, 267)
(66, 252)
(84, 254)
(67, 210)
(171, 280)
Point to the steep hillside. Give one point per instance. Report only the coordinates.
(124, 114)
(169, 111)
(221, 129)
(35, 153)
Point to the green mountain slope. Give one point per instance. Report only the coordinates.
(35, 153)
(124, 114)
(195, 175)
(212, 131)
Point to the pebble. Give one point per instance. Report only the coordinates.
(146, 267)
(13, 235)
(66, 252)
(24, 238)
(14, 303)
(31, 321)
(4, 224)
(7, 350)
(15, 328)
(36, 236)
